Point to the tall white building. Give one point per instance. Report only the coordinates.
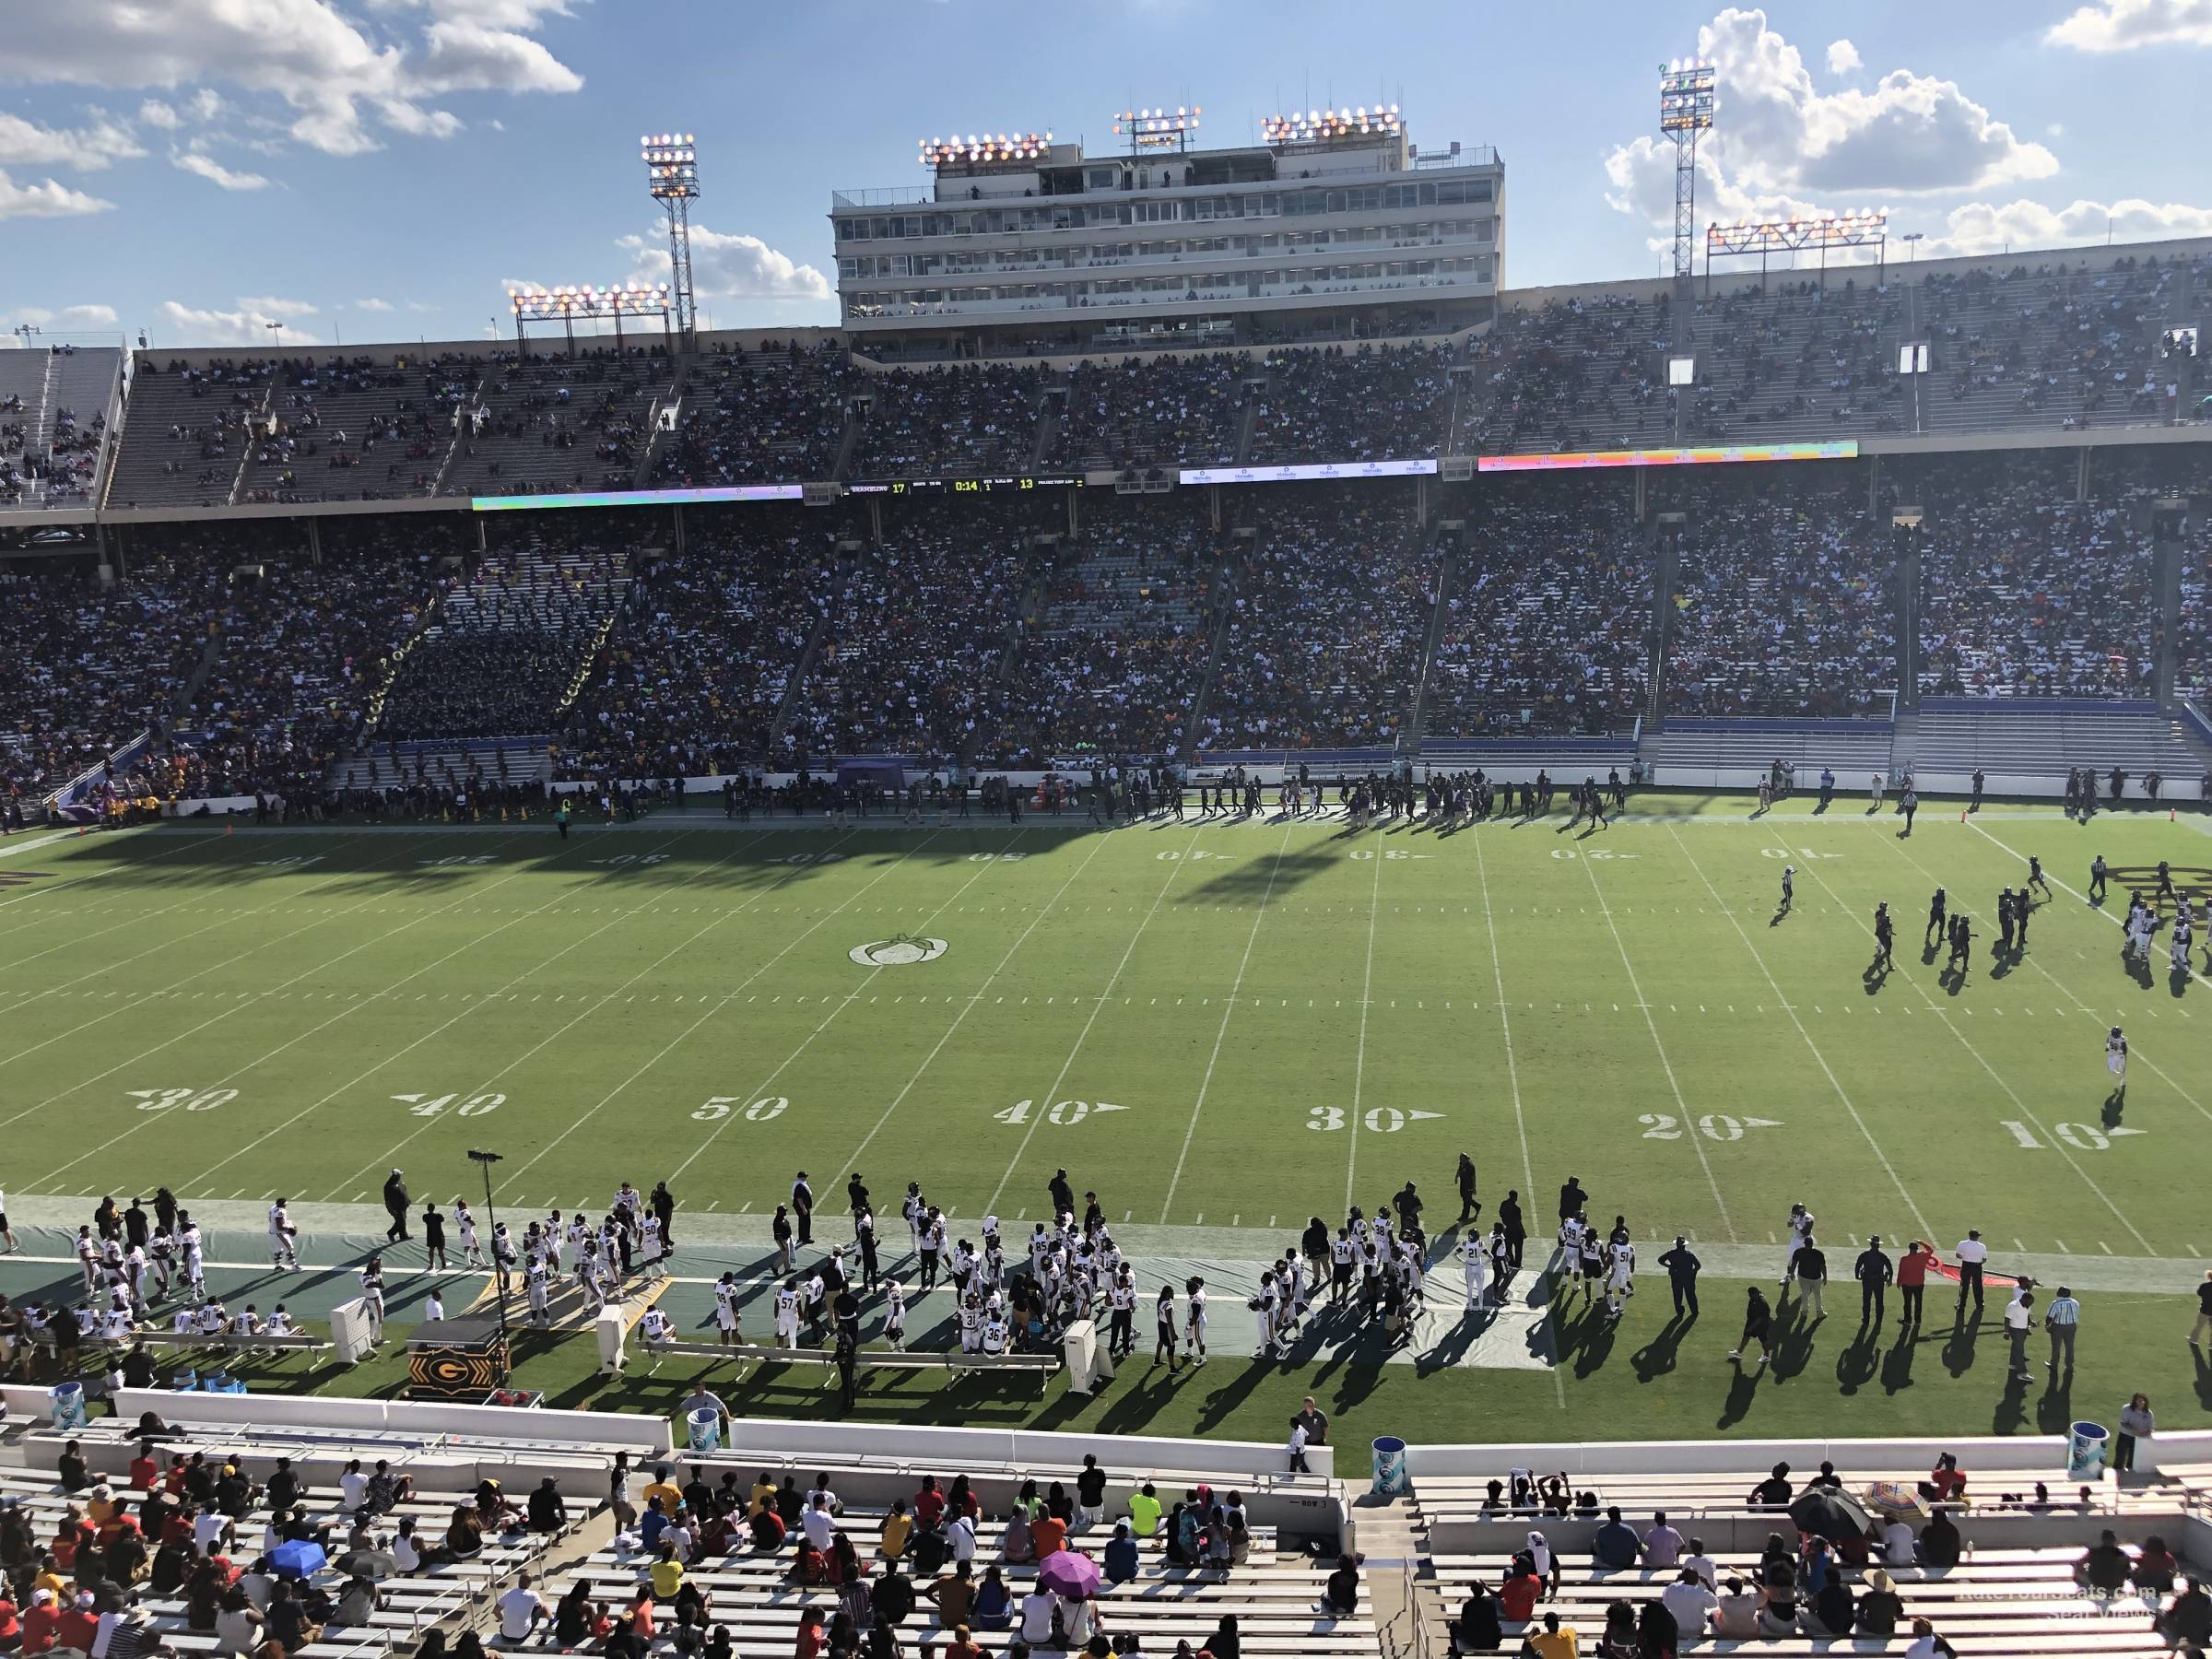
(1334, 225)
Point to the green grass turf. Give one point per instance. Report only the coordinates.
(1630, 1384)
(1268, 1005)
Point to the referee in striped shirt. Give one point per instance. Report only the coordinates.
(2062, 1319)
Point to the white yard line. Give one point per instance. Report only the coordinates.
(1044, 1100)
(2135, 1049)
(2026, 1113)
(1666, 1066)
(254, 999)
(1512, 1069)
(969, 1006)
(183, 842)
(1781, 998)
(768, 1082)
(621, 916)
(1366, 990)
(144, 997)
(1228, 1009)
(74, 938)
(366, 1002)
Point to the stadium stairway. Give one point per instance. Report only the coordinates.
(1736, 754)
(2027, 748)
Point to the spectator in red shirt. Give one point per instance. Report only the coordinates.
(39, 1622)
(1517, 1597)
(145, 1470)
(929, 1504)
(1049, 1532)
(77, 1626)
(1912, 1279)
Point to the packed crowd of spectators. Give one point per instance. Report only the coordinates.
(90, 668)
(912, 663)
(1146, 410)
(306, 645)
(1330, 610)
(690, 678)
(1114, 662)
(1546, 628)
(967, 419)
(1364, 405)
(771, 415)
(511, 640)
(2025, 592)
(1785, 597)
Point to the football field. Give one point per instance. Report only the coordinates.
(1231, 1023)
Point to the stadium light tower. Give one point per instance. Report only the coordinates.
(1686, 107)
(672, 176)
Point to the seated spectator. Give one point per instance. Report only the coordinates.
(2104, 1566)
(1880, 1608)
(1478, 1629)
(1736, 1617)
(1615, 1546)
(1340, 1595)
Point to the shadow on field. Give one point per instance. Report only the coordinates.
(1252, 879)
(399, 860)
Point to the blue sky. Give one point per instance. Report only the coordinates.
(383, 168)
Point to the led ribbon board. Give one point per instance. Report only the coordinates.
(640, 498)
(1293, 474)
(1843, 449)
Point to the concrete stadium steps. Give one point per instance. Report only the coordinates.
(2017, 1603)
(1274, 1598)
(80, 383)
(609, 398)
(1736, 754)
(155, 469)
(2027, 747)
(501, 760)
(1568, 762)
(413, 1603)
(317, 416)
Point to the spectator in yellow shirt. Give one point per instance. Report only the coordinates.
(1552, 1641)
(897, 1527)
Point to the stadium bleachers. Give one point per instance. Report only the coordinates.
(543, 424)
(185, 434)
(53, 424)
(756, 416)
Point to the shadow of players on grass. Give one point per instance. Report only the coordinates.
(1457, 1342)
(1958, 1349)
(1856, 1365)
(1896, 1365)
(1656, 1358)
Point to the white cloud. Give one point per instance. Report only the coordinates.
(738, 267)
(155, 113)
(268, 305)
(89, 148)
(50, 200)
(69, 316)
(215, 173)
(243, 327)
(331, 70)
(2057, 129)
(372, 305)
(2124, 25)
(1844, 57)
(417, 305)
(1782, 148)
(1983, 228)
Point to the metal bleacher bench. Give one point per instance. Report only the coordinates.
(1040, 1366)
